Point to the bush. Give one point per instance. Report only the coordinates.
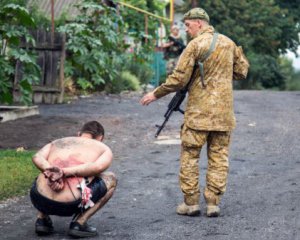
(126, 81)
(143, 71)
(130, 81)
(294, 83)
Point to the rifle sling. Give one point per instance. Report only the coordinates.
(209, 52)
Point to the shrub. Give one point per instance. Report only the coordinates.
(125, 81)
(143, 71)
(130, 81)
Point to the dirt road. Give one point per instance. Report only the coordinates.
(263, 195)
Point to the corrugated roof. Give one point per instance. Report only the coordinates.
(178, 2)
(60, 6)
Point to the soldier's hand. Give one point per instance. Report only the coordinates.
(148, 98)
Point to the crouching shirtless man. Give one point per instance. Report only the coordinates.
(72, 180)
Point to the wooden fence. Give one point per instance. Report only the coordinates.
(51, 55)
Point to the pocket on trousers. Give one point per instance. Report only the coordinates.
(193, 138)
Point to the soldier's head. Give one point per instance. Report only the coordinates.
(94, 129)
(194, 20)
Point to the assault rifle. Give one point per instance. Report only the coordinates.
(180, 47)
(174, 105)
(177, 43)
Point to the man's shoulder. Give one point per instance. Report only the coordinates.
(225, 38)
(74, 142)
(65, 140)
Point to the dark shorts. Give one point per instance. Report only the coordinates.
(51, 207)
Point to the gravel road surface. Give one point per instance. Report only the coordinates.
(263, 196)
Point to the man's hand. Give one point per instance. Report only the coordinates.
(55, 178)
(168, 44)
(148, 98)
(54, 173)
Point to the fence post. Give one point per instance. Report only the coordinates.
(62, 69)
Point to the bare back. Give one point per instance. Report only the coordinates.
(66, 153)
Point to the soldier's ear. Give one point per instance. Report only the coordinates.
(199, 23)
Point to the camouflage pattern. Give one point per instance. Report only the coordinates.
(217, 168)
(196, 13)
(171, 64)
(209, 115)
(211, 107)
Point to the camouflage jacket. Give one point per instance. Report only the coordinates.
(209, 107)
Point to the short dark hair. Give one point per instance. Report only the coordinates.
(94, 128)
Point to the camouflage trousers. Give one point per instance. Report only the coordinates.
(217, 167)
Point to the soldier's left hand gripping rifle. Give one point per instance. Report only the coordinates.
(174, 105)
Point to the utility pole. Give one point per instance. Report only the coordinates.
(172, 11)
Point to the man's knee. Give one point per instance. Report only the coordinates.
(109, 179)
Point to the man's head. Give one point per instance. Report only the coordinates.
(94, 128)
(175, 30)
(194, 20)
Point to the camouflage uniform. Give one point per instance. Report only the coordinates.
(172, 55)
(171, 64)
(209, 116)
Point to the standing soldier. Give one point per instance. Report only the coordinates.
(209, 116)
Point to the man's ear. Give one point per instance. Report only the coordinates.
(199, 23)
(78, 134)
(100, 138)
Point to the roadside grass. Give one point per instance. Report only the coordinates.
(17, 173)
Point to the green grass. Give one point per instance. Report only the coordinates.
(17, 173)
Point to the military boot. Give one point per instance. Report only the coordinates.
(183, 209)
(212, 211)
(212, 202)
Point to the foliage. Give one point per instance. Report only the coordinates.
(135, 21)
(142, 57)
(143, 71)
(265, 28)
(131, 82)
(97, 53)
(17, 173)
(294, 83)
(14, 23)
(43, 21)
(265, 72)
(292, 27)
(126, 81)
(94, 41)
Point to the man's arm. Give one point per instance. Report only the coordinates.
(93, 168)
(148, 98)
(240, 65)
(40, 159)
(178, 79)
(181, 74)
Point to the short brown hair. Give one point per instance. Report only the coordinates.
(94, 128)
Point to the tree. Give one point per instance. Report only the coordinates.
(265, 28)
(144, 38)
(94, 44)
(14, 23)
(291, 30)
